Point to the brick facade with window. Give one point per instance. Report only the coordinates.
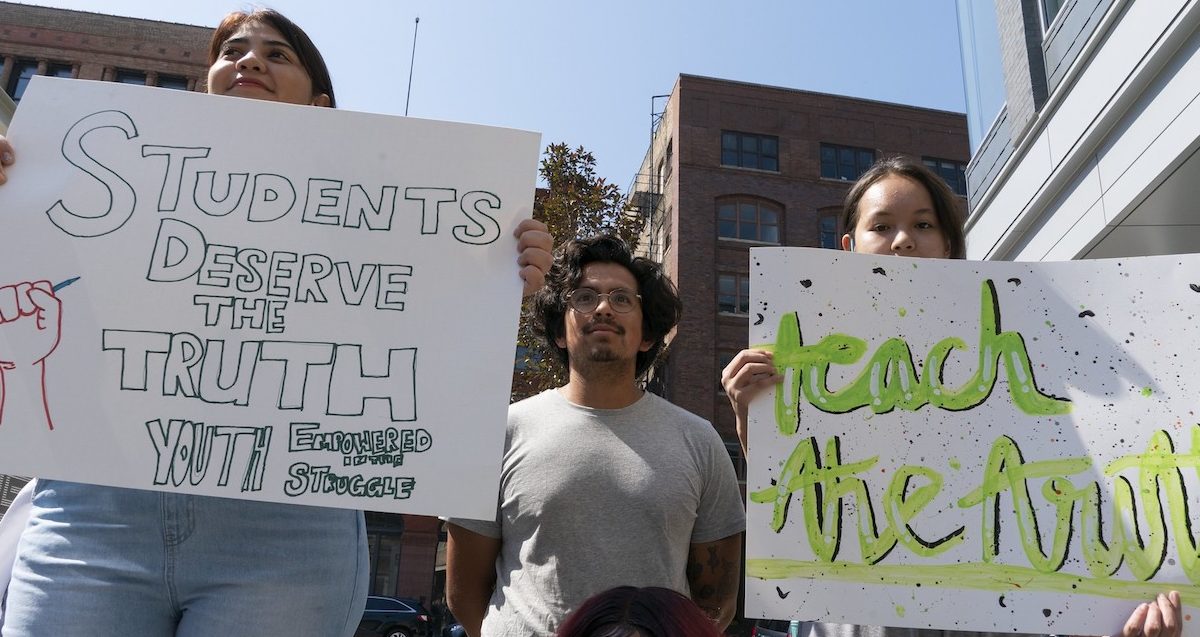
(717, 206)
(93, 46)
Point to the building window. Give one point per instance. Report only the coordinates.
(60, 70)
(829, 232)
(125, 76)
(739, 463)
(845, 162)
(1050, 9)
(733, 293)
(173, 81)
(953, 172)
(22, 72)
(724, 358)
(748, 219)
(665, 228)
(664, 166)
(750, 151)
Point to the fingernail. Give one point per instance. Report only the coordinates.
(7, 158)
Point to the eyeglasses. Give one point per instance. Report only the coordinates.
(586, 300)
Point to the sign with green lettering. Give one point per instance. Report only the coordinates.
(974, 445)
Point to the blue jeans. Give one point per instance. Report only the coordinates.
(106, 561)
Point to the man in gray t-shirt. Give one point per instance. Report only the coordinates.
(602, 483)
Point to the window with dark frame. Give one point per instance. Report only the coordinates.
(666, 240)
(745, 150)
(739, 463)
(845, 162)
(22, 72)
(724, 357)
(733, 293)
(173, 82)
(60, 70)
(126, 76)
(748, 219)
(829, 236)
(1050, 9)
(954, 173)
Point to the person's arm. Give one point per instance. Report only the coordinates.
(534, 245)
(7, 157)
(750, 372)
(470, 575)
(714, 574)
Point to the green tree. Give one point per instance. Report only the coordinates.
(575, 203)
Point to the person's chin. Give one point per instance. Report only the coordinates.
(603, 355)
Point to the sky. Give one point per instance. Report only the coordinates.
(583, 72)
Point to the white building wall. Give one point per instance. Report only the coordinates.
(1108, 150)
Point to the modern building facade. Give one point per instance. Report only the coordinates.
(1089, 148)
(734, 165)
(76, 44)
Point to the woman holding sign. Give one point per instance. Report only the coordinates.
(899, 207)
(109, 561)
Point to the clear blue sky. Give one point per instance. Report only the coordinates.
(583, 72)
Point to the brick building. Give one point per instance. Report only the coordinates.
(735, 165)
(93, 46)
(76, 44)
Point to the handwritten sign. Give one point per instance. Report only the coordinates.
(255, 300)
(974, 445)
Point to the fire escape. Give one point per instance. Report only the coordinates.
(644, 199)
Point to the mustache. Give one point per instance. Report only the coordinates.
(596, 321)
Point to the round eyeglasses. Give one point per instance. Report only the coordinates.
(586, 300)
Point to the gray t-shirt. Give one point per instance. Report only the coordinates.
(596, 498)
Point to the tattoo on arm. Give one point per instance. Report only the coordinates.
(714, 581)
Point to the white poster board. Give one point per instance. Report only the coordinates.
(259, 300)
(974, 445)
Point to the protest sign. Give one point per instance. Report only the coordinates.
(241, 298)
(973, 445)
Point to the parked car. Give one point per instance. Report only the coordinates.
(770, 628)
(393, 617)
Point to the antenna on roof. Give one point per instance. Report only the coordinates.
(411, 62)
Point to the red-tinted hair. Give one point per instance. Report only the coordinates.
(310, 56)
(627, 611)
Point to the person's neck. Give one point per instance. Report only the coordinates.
(599, 390)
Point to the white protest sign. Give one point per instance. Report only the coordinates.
(259, 300)
(974, 445)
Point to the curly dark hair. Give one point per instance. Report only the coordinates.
(626, 611)
(945, 203)
(661, 307)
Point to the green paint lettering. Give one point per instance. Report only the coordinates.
(890, 380)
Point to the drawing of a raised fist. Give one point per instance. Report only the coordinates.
(30, 329)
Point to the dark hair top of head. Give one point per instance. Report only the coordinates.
(945, 203)
(310, 56)
(627, 611)
(661, 308)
